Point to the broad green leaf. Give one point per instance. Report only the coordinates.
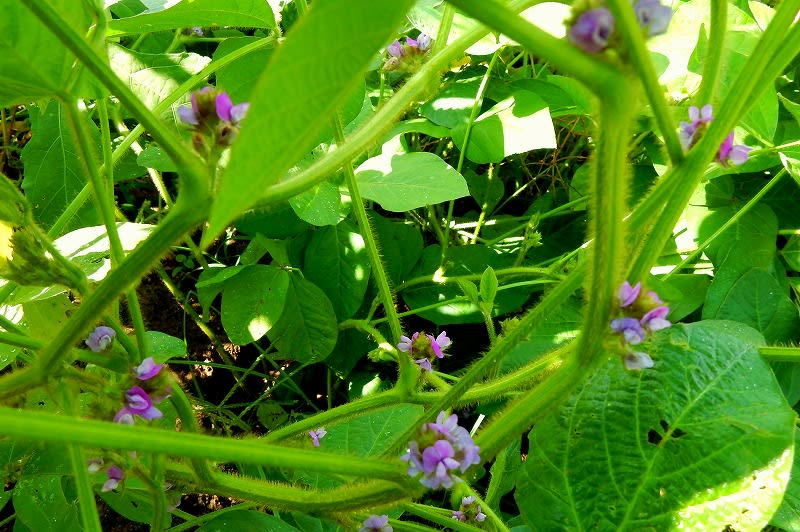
(308, 328)
(161, 346)
(336, 260)
(791, 253)
(54, 173)
(306, 82)
(788, 515)
(517, 124)
(561, 326)
(45, 317)
(34, 65)
(211, 283)
(409, 181)
(400, 245)
(36, 493)
(702, 441)
(239, 77)
(188, 13)
(487, 189)
(364, 435)
(137, 509)
(320, 204)
(756, 299)
(153, 77)
(154, 157)
(241, 520)
(685, 293)
(453, 105)
(253, 302)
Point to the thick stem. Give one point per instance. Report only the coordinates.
(716, 44)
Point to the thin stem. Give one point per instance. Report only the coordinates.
(714, 48)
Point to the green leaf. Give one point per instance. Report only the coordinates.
(54, 173)
(34, 65)
(253, 301)
(307, 330)
(409, 181)
(453, 105)
(685, 293)
(400, 245)
(136, 509)
(461, 260)
(211, 283)
(788, 515)
(154, 157)
(188, 13)
(33, 494)
(153, 77)
(242, 520)
(488, 285)
(306, 82)
(239, 77)
(336, 261)
(162, 346)
(517, 124)
(791, 253)
(756, 299)
(364, 435)
(320, 204)
(702, 441)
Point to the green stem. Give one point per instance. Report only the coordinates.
(44, 426)
(593, 71)
(189, 424)
(83, 484)
(727, 225)
(640, 57)
(714, 48)
(195, 182)
(476, 107)
(370, 242)
(383, 120)
(177, 223)
(780, 354)
(444, 29)
(440, 516)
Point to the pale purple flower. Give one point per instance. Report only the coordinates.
(115, 476)
(227, 112)
(593, 29)
(426, 348)
(421, 43)
(139, 403)
(147, 369)
(395, 49)
(469, 510)
(94, 465)
(636, 360)
(424, 364)
(630, 328)
(732, 154)
(315, 435)
(699, 118)
(376, 523)
(100, 338)
(407, 344)
(441, 450)
(652, 16)
(654, 319)
(197, 30)
(628, 294)
(458, 515)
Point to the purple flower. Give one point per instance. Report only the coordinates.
(690, 132)
(424, 348)
(376, 523)
(630, 328)
(138, 403)
(441, 450)
(593, 29)
(469, 510)
(732, 154)
(115, 476)
(147, 369)
(421, 43)
(424, 364)
(395, 49)
(227, 112)
(636, 360)
(654, 319)
(100, 338)
(407, 344)
(652, 16)
(628, 293)
(94, 465)
(316, 435)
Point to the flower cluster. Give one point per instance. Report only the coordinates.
(469, 511)
(690, 133)
(641, 315)
(315, 435)
(593, 29)
(407, 57)
(138, 400)
(424, 348)
(100, 338)
(376, 523)
(441, 450)
(215, 119)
